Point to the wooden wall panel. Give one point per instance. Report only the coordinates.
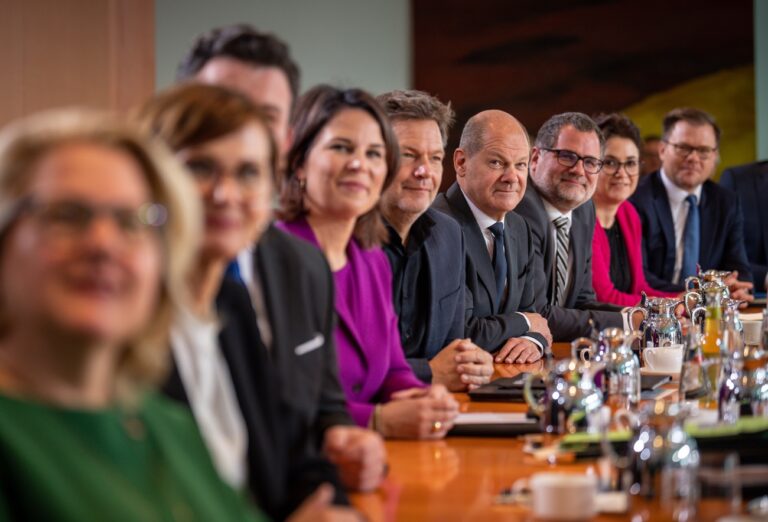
(96, 53)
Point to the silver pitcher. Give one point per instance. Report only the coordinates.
(660, 326)
(570, 394)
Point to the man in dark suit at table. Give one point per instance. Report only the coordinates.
(291, 292)
(491, 173)
(565, 163)
(687, 218)
(750, 183)
(426, 249)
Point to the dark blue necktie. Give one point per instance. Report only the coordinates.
(233, 271)
(499, 260)
(690, 239)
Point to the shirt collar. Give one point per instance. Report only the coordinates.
(553, 213)
(675, 194)
(483, 220)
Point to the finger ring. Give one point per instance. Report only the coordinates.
(436, 426)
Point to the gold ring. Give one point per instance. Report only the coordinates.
(436, 426)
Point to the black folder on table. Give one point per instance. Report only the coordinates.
(510, 389)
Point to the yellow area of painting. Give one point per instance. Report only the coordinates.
(728, 95)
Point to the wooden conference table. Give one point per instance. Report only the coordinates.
(459, 478)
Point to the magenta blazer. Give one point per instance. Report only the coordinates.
(372, 364)
(631, 230)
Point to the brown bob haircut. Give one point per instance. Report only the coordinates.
(616, 125)
(194, 113)
(313, 112)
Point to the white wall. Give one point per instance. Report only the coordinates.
(351, 43)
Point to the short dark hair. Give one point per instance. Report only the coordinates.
(550, 130)
(418, 105)
(191, 114)
(615, 125)
(314, 110)
(695, 117)
(242, 42)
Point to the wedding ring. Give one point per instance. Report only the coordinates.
(436, 426)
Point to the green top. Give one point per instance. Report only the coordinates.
(80, 465)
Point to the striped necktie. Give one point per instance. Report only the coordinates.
(561, 259)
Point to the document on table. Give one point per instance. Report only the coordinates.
(492, 418)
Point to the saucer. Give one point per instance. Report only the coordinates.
(648, 371)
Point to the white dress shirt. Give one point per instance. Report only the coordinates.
(484, 221)
(679, 208)
(208, 385)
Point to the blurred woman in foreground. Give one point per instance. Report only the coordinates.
(97, 229)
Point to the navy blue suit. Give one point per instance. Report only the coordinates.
(750, 183)
(488, 327)
(443, 267)
(721, 234)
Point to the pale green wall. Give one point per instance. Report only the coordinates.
(352, 43)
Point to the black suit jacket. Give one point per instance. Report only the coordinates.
(444, 268)
(750, 183)
(721, 235)
(486, 326)
(287, 399)
(571, 320)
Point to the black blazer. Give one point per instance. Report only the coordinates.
(484, 325)
(721, 236)
(287, 399)
(750, 183)
(444, 255)
(571, 320)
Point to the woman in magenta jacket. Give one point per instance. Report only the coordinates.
(617, 257)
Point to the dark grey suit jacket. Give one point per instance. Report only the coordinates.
(287, 399)
(750, 183)
(486, 326)
(571, 320)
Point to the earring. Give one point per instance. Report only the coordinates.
(302, 184)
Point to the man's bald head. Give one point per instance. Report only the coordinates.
(494, 121)
(492, 162)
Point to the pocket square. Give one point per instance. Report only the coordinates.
(313, 344)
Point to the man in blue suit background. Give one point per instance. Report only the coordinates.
(426, 249)
(750, 183)
(687, 218)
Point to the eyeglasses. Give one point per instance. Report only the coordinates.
(568, 158)
(72, 218)
(208, 172)
(684, 150)
(612, 167)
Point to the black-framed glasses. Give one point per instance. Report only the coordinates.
(684, 150)
(568, 158)
(73, 217)
(612, 167)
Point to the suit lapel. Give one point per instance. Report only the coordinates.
(709, 216)
(510, 246)
(476, 245)
(664, 217)
(761, 187)
(434, 237)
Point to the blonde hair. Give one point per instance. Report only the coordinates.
(144, 361)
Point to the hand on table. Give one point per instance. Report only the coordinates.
(739, 289)
(418, 413)
(359, 455)
(539, 325)
(518, 350)
(318, 507)
(461, 365)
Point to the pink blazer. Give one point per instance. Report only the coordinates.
(631, 230)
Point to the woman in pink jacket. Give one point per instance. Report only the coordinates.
(617, 257)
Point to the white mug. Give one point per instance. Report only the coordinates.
(561, 496)
(752, 331)
(666, 359)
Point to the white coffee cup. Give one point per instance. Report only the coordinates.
(752, 331)
(563, 496)
(664, 359)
